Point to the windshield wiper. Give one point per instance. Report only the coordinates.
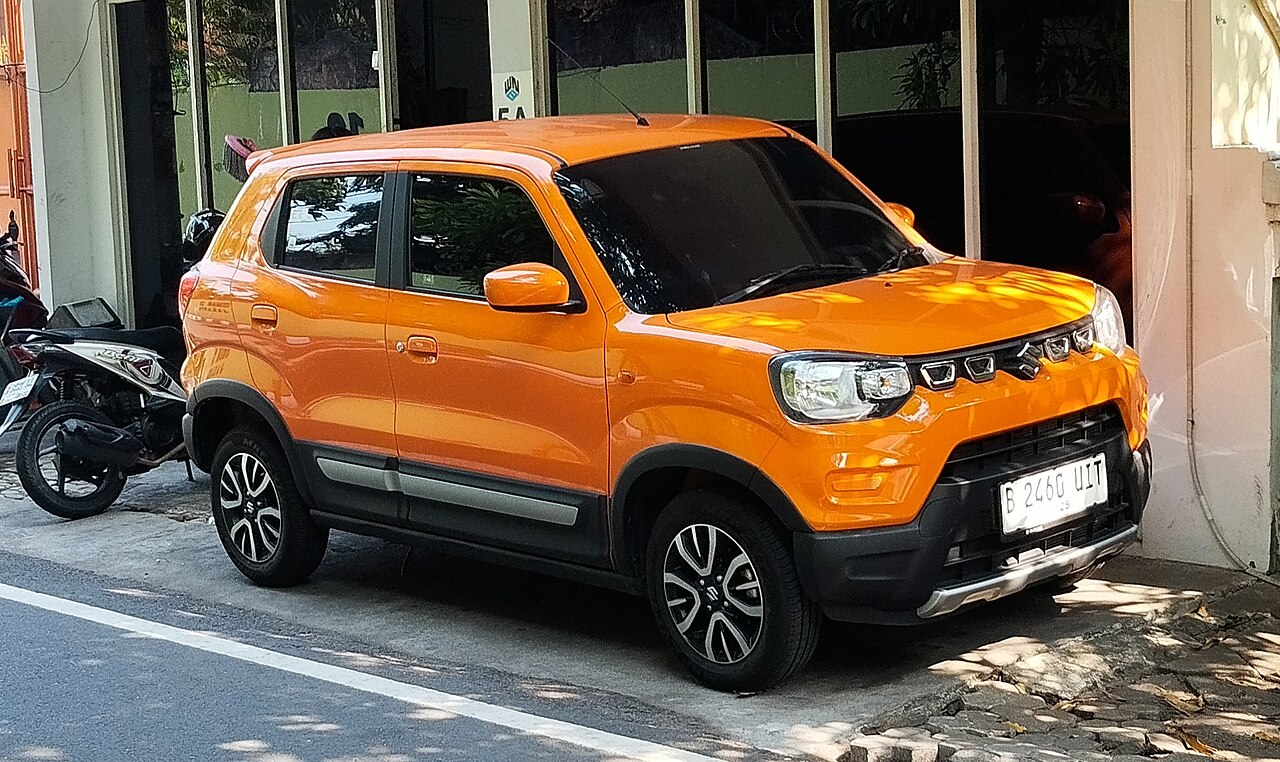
(802, 272)
(894, 263)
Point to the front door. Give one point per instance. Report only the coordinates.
(500, 417)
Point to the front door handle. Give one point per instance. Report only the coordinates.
(264, 316)
(425, 347)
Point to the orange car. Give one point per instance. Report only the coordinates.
(694, 360)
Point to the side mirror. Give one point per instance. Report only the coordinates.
(903, 211)
(528, 287)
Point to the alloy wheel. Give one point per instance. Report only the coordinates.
(250, 506)
(713, 593)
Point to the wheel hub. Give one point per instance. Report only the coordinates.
(250, 507)
(713, 593)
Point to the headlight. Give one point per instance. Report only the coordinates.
(821, 389)
(1108, 322)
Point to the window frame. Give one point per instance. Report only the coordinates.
(275, 233)
(400, 277)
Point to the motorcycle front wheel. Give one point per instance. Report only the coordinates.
(70, 488)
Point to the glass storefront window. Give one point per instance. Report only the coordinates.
(442, 55)
(897, 107)
(334, 42)
(635, 47)
(242, 77)
(183, 128)
(759, 58)
(1053, 83)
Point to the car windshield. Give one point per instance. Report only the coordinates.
(689, 227)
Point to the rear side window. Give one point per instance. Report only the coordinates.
(462, 228)
(331, 225)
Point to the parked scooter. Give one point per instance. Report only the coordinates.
(118, 412)
(116, 408)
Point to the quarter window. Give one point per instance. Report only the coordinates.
(332, 225)
(462, 228)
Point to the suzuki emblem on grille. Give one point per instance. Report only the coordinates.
(1058, 348)
(981, 368)
(939, 375)
(1026, 364)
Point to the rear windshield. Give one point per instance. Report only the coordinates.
(688, 227)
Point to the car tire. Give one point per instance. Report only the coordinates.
(27, 462)
(265, 527)
(733, 612)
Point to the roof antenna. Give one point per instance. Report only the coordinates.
(640, 120)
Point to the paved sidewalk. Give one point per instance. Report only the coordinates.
(1203, 685)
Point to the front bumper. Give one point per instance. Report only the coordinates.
(954, 554)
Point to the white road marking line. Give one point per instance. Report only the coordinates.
(578, 735)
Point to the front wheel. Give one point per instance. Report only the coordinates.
(726, 595)
(70, 488)
(264, 526)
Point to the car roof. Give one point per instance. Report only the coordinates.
(563, 140)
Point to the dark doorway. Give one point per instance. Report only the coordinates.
(150, 160)
(442, 58)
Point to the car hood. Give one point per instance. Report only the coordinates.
(953, 304)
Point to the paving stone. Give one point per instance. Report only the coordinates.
(981, 724)
(978, 755)
(1041, 720)
(1116, 739)
(915, 750)
(898, 733)
(871, 749)
(1163, 742)
(990, 694)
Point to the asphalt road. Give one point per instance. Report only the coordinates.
(94, 671)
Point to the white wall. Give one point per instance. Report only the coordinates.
(75, 224)
(1232, 259)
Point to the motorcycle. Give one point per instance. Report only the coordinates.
(117, 412)
(107, 404)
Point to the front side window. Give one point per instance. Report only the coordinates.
(332, 225)
(462, 228)
(693, 226)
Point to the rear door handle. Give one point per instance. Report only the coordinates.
(425, 347)
(264, 315)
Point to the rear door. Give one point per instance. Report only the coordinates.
(501, 423)
(312, 315)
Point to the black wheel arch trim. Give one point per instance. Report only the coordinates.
(708, 459)
(220, 389)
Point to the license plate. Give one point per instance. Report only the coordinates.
(18, 390)
(1051, 497)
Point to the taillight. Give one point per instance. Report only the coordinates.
(186, 287)
(24, 357)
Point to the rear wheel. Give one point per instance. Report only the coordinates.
(264, 526)
(725, 592)
(70, 488)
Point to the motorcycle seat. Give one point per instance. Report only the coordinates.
(165, 341)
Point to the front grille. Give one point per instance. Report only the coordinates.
(1033, 444)
(979, 549)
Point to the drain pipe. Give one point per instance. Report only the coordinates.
(1192, 452)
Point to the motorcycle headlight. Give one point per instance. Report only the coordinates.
(829, 389)
(1108, 321)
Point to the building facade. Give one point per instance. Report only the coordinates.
(1126, 140)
